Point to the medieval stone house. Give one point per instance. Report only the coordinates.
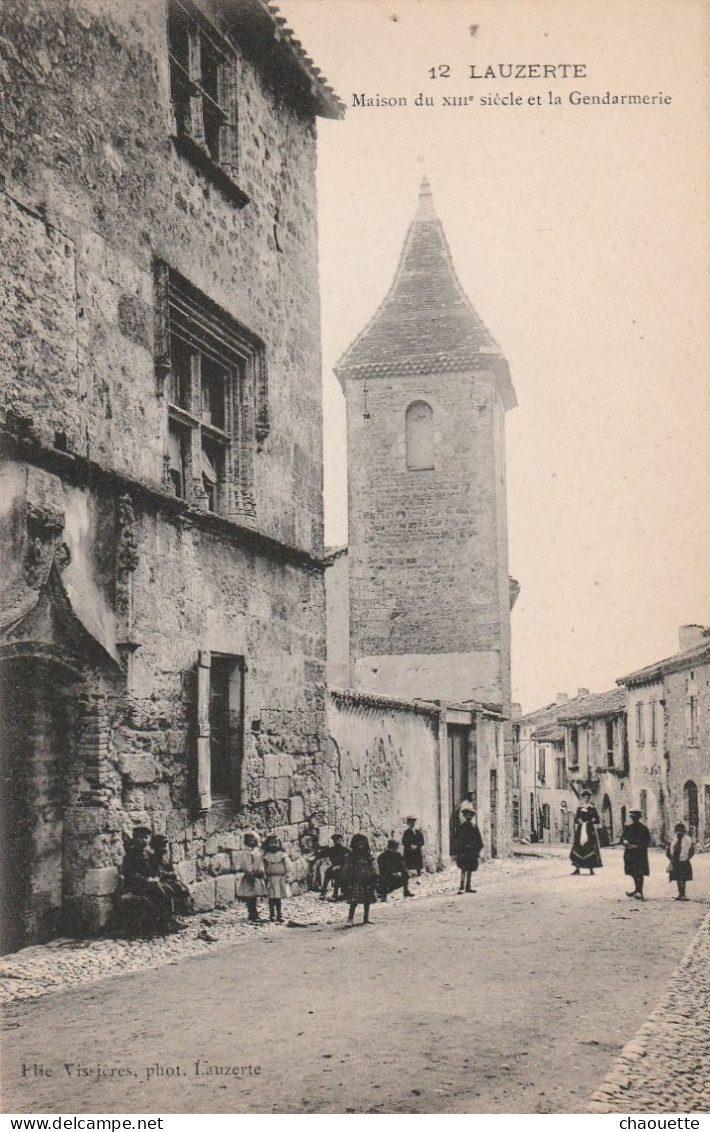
(162, 626)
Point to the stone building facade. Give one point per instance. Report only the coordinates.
(390, 758)
(162, 626)
(425, 616)
(669, 721)
(337, 617)
(543, 801)
(426, 390)
(644, 745)
(597, 756)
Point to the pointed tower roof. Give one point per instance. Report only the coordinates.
(426, 323)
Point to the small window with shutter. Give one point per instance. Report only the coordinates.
(220, 729)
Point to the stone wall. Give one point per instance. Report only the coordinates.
(109, 575)
(688, 761)
(647, 764)
(337, 598)
(385, 763)
(95, 192)
(429, 602)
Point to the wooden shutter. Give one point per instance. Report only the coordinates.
(204, 786)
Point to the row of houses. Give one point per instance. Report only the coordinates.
(644, 744)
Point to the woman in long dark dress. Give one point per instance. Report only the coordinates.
(585, 853)
(360, 878)
(679, 852)
(636, 839)
(468, 849)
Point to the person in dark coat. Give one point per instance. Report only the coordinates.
(138, 872)
(335, 854)
(469, 846)
(585, 853)
(360, 877)
(679, 853)
(413, 843)
(636, 839)
(163, 869)
(392, 871)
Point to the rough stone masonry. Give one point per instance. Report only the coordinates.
(162, 626)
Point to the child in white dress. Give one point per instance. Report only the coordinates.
(276, 868)
(251, 884)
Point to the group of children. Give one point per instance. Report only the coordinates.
(265, 873)
(354, 873)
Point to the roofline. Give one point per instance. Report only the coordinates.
(654, 672)
(266, 19)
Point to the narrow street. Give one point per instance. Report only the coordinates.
(515, 999)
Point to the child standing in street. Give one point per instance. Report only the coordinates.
(250, 885)
(679, 852)
(360, 875)
(276, 867)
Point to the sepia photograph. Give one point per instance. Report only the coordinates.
(354, 544)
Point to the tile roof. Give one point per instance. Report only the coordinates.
(661, 668)
(587, 707)
(541, 715)
(551, 733)
(261, 21)
(426, 323)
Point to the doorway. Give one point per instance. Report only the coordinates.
(607, 830)
(33, 744)
(459, 780)
(690, 808)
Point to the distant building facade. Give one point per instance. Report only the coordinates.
(643, 745)
(597, 757)
(543, 797)
(162, 625)
(674, 695)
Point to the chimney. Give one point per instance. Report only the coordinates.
(516, 710)
(689, 636)
(582, 692)
(561, 698)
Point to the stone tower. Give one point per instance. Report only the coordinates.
(427, 389)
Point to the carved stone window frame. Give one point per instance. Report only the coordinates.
(186, 321)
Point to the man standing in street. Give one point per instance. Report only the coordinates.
(636, 839)
(413, 843)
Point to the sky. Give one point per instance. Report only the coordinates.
(581, 235)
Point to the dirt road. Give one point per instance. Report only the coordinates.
(514, 999)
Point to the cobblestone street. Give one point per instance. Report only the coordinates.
(536, 994)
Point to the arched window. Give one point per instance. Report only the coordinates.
(690, 807)
(420, 435)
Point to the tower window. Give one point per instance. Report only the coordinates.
(419, 428)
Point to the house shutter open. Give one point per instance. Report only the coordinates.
(204, 789)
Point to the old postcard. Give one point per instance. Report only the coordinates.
(354, 519)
